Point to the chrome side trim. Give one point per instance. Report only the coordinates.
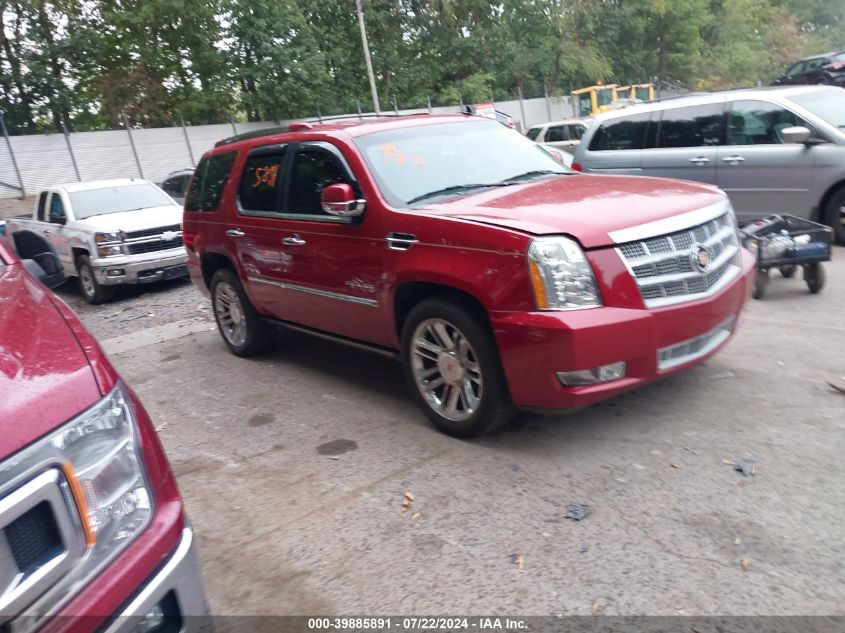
(314, 291)
(670, 225)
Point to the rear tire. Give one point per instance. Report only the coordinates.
(241, 327)
(787, 271)
(452, 367)
(834, 215)
(814, 277)
(94, 292)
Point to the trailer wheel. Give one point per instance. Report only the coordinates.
(761, 280)
(814, 276)
(787, 271)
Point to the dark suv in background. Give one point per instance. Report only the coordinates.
(818, 69)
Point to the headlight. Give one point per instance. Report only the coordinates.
(109, 244)
(104, 468)
(561, 275)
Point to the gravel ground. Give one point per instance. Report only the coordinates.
(136, 308)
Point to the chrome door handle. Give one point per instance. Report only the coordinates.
(699, 160)
(235, 233)
(294, 240)
(734, 160)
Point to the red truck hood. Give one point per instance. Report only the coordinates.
(45, 378)
(585, 206)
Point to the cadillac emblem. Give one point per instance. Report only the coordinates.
(701, 257)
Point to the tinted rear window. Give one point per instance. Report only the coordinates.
(533, 132)
(209, 180)
(692, 126)
(628, 133)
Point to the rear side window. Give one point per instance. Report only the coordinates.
(555, 134)
(532, 133)
(576, 132)
(261, 182)
(692, 126)
(209, 180)
(618, 134)
(760, 123)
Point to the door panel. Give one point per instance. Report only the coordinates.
(759, 172)
(686, 144)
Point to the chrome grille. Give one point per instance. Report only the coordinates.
(693, 348)
(665, 269)
(156, 231)
(137, 248)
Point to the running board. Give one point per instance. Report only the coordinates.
(335, 338)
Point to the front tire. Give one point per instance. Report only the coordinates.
(814, 277)
(240, 326)
(94, 292)
(834, 215)
(452, 367)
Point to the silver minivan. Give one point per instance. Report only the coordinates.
(772, 150)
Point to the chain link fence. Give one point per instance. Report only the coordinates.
(33, 162)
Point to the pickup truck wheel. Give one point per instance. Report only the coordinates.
(452, 367)
(241, 327)
(94, 292)
(835, 215)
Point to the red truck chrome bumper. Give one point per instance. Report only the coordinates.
(535, 346)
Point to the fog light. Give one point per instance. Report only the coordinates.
(115, 272)
(603, 373)
(153, 620)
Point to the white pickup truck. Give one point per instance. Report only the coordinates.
(109, 232)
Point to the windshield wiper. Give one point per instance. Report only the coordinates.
(531, 174)
(456, 188)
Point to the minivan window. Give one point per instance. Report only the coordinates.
(759, 123)
(210, 179)
(555, 134)
(627, 133)
(828, 104)
(261, 180)
(692, 126)
(576, 132)
(533, 133)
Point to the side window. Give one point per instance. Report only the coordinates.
(533, 132)
(693, 126)
(261, 181)
(42, 203)
(173, 186)
(576, 132)
(313, 169)
(619, 134)
(212, 174)
(759, 123)
(795, 69)
(57, 208)
(555, 134)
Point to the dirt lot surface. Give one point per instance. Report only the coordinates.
(294, 466)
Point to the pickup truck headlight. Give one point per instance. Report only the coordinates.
(109, 244)
(104, 468)
(561, 276)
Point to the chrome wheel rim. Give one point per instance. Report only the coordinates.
(87, 281)
(842, 215)
(446, 369)
(230, 314)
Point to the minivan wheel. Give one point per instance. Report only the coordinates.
(835, 215)
(93, 291)
(242, 329)
(452, 368)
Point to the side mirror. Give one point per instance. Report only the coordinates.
(795, 134)
(339, 199)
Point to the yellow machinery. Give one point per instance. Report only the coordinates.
(592, 100)
(643, 92)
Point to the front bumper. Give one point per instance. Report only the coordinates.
(132, 270)
(654, 343)
(176, 583)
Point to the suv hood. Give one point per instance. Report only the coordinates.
(585, 206)
(45, 378)
(151, 218)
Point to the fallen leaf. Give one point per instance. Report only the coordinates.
(738, 541)
(729, 462)
(409, 496)
(596, 607)
(161, 427)
(746, 563)
(674, 465)
(335, 457)
(518, 560)
(415, 515)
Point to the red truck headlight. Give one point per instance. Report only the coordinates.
(561, 276)
(104, 468)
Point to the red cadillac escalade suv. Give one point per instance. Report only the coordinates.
(93, 535)
(502, 279)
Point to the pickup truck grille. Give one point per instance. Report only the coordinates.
(685, 265)
(152, 240)
(34, 538)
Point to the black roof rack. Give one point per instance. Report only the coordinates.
(253, 134)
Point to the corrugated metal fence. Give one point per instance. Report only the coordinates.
(48, 159)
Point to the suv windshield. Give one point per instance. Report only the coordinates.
(826, 104)
(424, 161)
(117, 199)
